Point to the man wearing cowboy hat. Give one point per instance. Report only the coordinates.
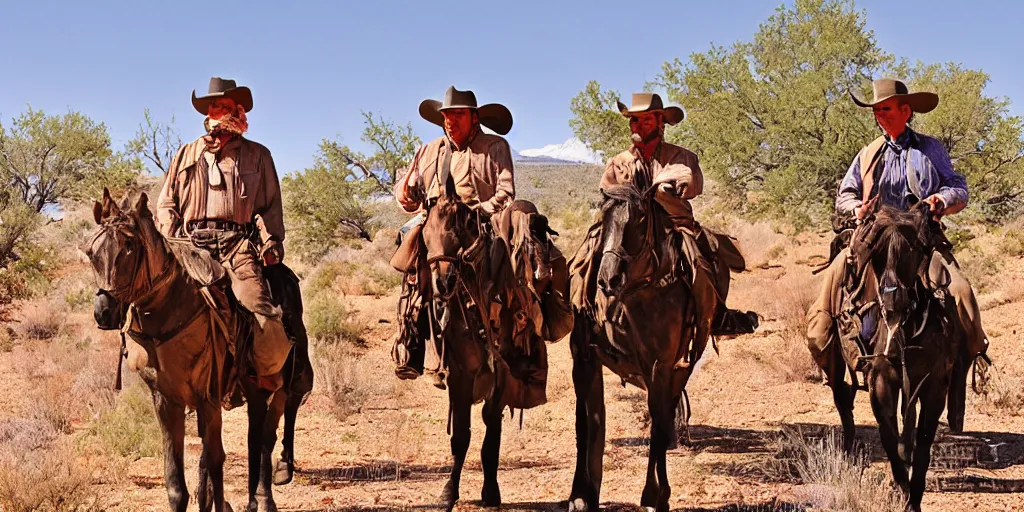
(676, 173)
(900, 168)
(222, 192)
(480, 166)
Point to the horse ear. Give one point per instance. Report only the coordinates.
(97, 212)
(142, 206)
(449, 188)
(109, 207)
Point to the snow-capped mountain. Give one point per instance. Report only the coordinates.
(572, 150)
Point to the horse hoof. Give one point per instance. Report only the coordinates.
(449, 496)
(263, 505)
(580, 505)
(283, 473)
(227, 507)
(491, 496)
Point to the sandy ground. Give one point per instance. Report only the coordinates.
(394, 453)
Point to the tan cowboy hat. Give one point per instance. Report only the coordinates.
(651, 102)
(885, 88)
(222, 88)
(493, 115)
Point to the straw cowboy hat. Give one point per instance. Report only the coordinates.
(651, 102)
(885, 88)
(222, 88)
(492, 115)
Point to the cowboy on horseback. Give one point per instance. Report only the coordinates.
(222, 192)
(899, 168)
(477, 167)
(676, 173)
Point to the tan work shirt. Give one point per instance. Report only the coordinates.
(482, 171)
(249, 187)
(670, 163)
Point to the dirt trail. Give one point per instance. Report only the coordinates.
(394, 453)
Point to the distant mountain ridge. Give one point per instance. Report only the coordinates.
(572, 151)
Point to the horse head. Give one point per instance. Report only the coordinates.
(450, 234)
(897, 247)
(626, 239)
(126, 254)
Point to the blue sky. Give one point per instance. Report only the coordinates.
(314, 65)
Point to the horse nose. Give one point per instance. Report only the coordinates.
(610, 284)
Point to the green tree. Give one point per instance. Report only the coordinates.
(330, 201)
(597, 122)
(393, 146)
(48, 159)
(155, 142)
(771, 119)
(985, 143)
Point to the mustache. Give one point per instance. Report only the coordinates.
(651, 137)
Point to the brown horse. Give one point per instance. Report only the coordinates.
(915, 346)
(468, 268)
(642, 325)
(188, 353)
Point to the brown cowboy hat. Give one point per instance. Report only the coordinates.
(222, 88)
(651, 102)
(493, 115)
(885, 88)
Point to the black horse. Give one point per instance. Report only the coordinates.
(644, 326)
(915, 347)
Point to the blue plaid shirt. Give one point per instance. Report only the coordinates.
(930, 162)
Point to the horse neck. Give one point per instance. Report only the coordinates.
(170, 291)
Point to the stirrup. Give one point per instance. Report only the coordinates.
(980, 366)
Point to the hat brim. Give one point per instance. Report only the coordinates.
(241, 95)
(494, 116)
(673, 115)
(920, 102)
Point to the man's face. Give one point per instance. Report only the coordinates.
(892, 116)
(221, 107)
(647, 125)
(458, 123)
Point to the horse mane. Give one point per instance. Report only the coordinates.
(627, 193)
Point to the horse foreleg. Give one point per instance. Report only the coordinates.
(932, 403)
(213, 455)
(285, 468)
(460, 401)
(256, 410)
(204, 492)
(884, 390)
(958, 393)
(661, 402)
(843, 394)
(490, 451)
(300, 384)
(908, 435)
(271, 419)
(172, 428)
(588, 382)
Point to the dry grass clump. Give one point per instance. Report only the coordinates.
(786, 353)
(832, 479)
(129, 429)
(1002, 395)
(40, 320)
(343, 376)
(328, 320)
(39, 470)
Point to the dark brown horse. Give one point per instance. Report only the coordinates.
(915, 345)
(468, 268)
(643, 325)
(188, 353)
